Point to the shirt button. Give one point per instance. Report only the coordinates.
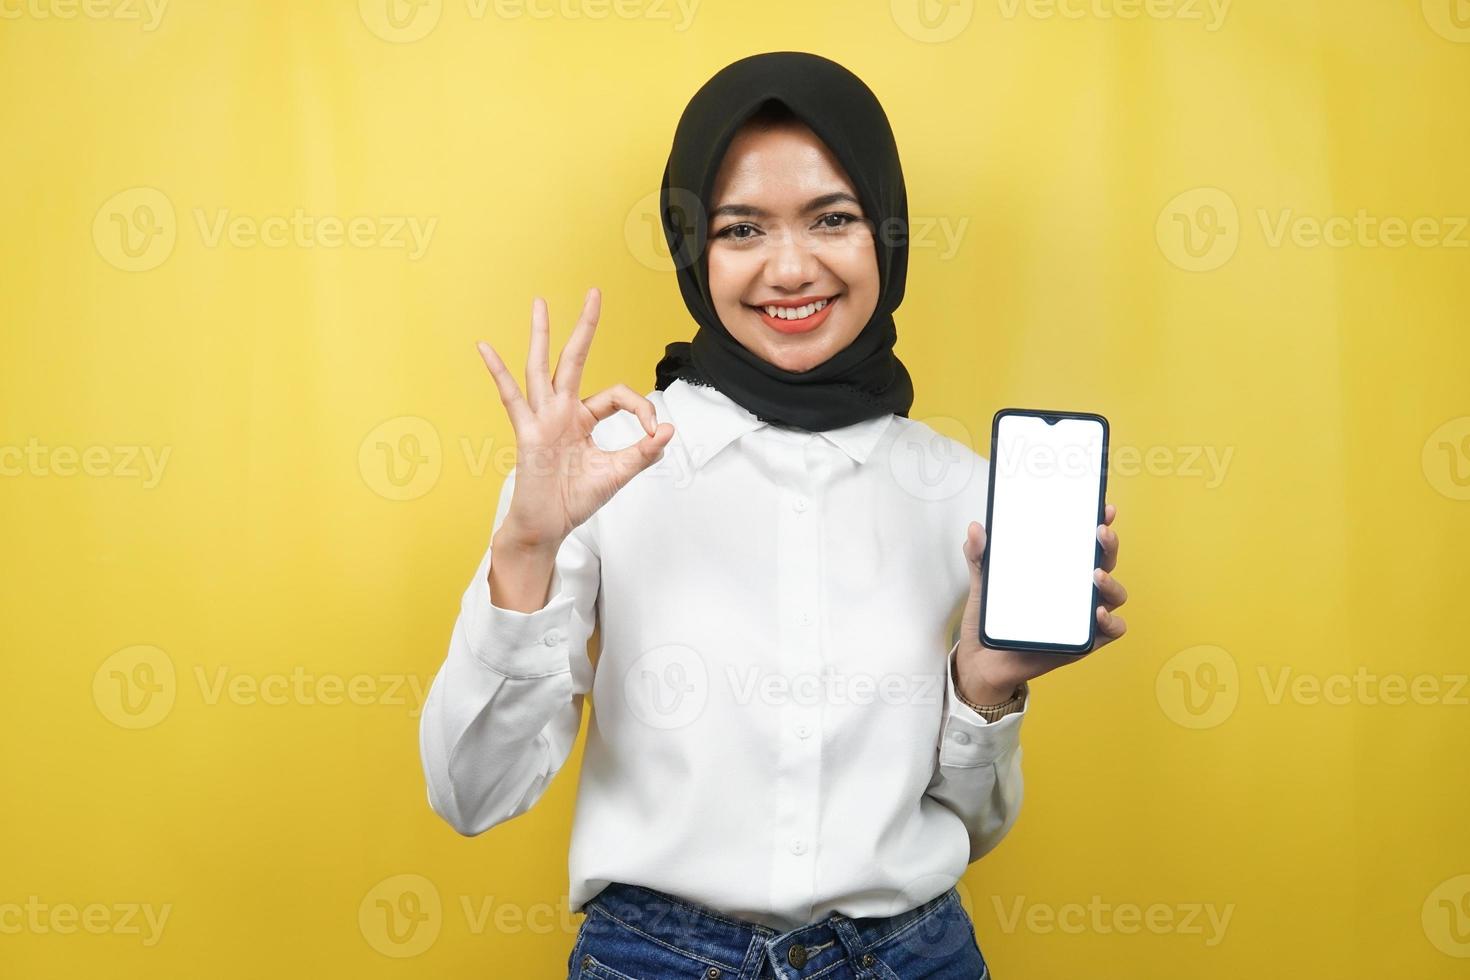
(961, 737)
(805, 619)
(799, 504)
(803, 731)
(798, 847)
(552, 638)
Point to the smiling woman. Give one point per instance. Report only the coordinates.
(793, 161)
(747, 828)
(792, 269)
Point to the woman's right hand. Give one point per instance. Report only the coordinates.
(562, 476)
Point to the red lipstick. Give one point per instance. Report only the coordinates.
(796, 326)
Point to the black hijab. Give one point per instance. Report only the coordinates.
(865, 379)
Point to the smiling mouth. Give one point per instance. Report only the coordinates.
(796, 312)
(797, 319)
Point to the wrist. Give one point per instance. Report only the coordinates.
(979, 694)
(520, 574)
(987, 697)
(511, 539)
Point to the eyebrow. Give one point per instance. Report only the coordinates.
(751, 211)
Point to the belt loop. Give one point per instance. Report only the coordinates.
(847, 933)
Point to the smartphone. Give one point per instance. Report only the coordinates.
(1048, 479)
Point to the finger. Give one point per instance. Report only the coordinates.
(538, 377)
(609, 400)
(1112, 591)
(505, 383)
(634, 459)
(1109, 539)
(1111, 624)
(974, 542)
(1109, 512)
(574, 355)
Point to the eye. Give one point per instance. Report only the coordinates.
(843, 220)
(729, 232)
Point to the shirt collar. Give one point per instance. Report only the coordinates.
(707, 420)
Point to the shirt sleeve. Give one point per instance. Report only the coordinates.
(503, 711)
(978, 770)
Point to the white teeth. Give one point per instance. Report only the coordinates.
(796, 313)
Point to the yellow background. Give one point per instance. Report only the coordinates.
(1069, 154)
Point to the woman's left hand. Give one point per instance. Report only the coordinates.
(990, 676)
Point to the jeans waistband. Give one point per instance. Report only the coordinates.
(706, 934)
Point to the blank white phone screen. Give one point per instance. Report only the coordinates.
(1043, 529)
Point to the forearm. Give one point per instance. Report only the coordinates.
(978, 770)
(503, 711)
(520, 576)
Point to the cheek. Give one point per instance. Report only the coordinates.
(856, 263)
(729, 274)
(857, 266)
(729, 277)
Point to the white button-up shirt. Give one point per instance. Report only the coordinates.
(775, 732)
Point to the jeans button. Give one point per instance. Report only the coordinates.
(796, 956)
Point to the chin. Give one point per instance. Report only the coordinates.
(797, 361)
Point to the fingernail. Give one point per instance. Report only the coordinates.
(1099, 574)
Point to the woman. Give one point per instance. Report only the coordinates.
(785, 775)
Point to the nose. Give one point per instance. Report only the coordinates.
(791, 264)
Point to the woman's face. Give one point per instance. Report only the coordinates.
(787, 233)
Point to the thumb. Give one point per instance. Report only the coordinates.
(632, 460)
(974, 548)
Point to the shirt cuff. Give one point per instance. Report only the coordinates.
(967, 739)
(513, 643)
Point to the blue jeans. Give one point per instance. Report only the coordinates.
(636, 933)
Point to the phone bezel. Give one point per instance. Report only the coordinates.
(1102, 491)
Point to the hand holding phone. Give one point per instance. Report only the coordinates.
(988, 668)
(1048, 481)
